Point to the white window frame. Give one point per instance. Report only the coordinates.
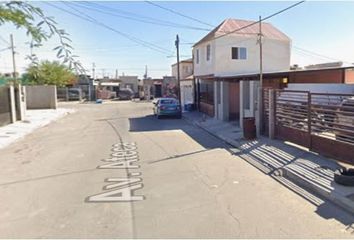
(239, 53)
(197, 56)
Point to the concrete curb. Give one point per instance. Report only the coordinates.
(341, 201)
(23, 128)
(210, 132)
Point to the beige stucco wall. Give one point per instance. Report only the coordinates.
(186, 69)
(204, 67)
(187, 92)
(130, 81)
(276, 56)
(41, 97)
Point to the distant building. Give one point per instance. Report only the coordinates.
(169, 87)
(152, 88)
(185, 68)
(131, 82)
(187, 84)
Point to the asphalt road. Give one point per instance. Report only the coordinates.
(115, 171)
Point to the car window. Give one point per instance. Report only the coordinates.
(168, 101)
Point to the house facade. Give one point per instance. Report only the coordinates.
(152, 88)
(218, 57)
(186, 80)
(131, 82)
(169, 86)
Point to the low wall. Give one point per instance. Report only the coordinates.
(207, 109)
(41, 97)
(322, 87)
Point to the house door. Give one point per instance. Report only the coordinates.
(234, 101)
(158, 91)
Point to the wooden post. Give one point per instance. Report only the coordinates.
(271, 119)
(309, 119)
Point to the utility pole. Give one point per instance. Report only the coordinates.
(178, 78)
(146, 87)
(93, 70)
(13, 57)
(260, 53)
(116, 74)
(146, 72)
(260, 89)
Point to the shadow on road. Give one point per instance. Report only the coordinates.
(151, 123)
(265, 158)
(271, 160)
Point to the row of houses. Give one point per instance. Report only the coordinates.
(226, 70)
(146, 88)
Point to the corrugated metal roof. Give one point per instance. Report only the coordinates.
(229, 25)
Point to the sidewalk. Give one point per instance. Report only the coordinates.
(34, 119)
(282, 161)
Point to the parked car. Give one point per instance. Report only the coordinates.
(167, 107)
(74, 94)
(125, 94)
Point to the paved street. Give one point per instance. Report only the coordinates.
(63, 181)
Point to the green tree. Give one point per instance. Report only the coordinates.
(50, 73)
(40, 28)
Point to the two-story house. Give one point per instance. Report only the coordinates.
(186, 80)
(221, 55)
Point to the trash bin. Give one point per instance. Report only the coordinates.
(188, 107)
(249, 128)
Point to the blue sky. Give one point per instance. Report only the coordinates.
(324, 28)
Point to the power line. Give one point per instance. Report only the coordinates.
(140, 18)
(314, 55)
(317, 54)
(85, 17)
(179, 14)
(4, 49)
(261, 20)
(4, 40)
(142, 42)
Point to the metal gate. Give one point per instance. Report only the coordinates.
(322, 122)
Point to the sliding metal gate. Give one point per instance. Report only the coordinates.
(322, 122)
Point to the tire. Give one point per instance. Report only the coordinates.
(158, 117)
(344, 177)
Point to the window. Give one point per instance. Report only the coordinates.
(185, 69)
(167, 101)
(197, 56)
(208, 52)
(238, 53)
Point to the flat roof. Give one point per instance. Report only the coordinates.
(190, 60)
(275, 72)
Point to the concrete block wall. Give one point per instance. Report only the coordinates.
(6, 115)
(41, 97)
